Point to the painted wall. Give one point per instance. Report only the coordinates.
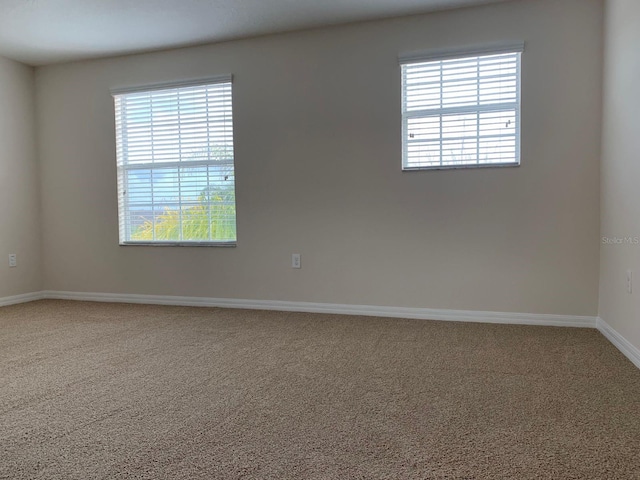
(620, 210)
(19, 188)
(317, 130)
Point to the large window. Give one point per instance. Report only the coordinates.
(461, 109)
(176, 183)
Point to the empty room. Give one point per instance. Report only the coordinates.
(364, 239)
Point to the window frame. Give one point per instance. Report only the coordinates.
(124, 229)
(452, 54)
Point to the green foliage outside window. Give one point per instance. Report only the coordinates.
(213, 220)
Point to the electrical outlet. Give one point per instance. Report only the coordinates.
(629, 281)
(295, 261)
(13, 260)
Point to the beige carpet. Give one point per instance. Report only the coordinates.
(100, 391)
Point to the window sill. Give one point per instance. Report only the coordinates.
(461, 167)
(178, 244)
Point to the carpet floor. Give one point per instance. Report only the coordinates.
(113, 391)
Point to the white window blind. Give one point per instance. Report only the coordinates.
(176, 182)
(461, 110)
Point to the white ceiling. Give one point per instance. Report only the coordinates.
(40, 32)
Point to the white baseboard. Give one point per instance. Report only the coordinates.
(24, 298)
(365, 310)
(621, 343)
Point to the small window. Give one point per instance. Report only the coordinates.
(461, 109)
(176, 182)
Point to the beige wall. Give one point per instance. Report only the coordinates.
(317, 129)
(19, 189)
(621, 169)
